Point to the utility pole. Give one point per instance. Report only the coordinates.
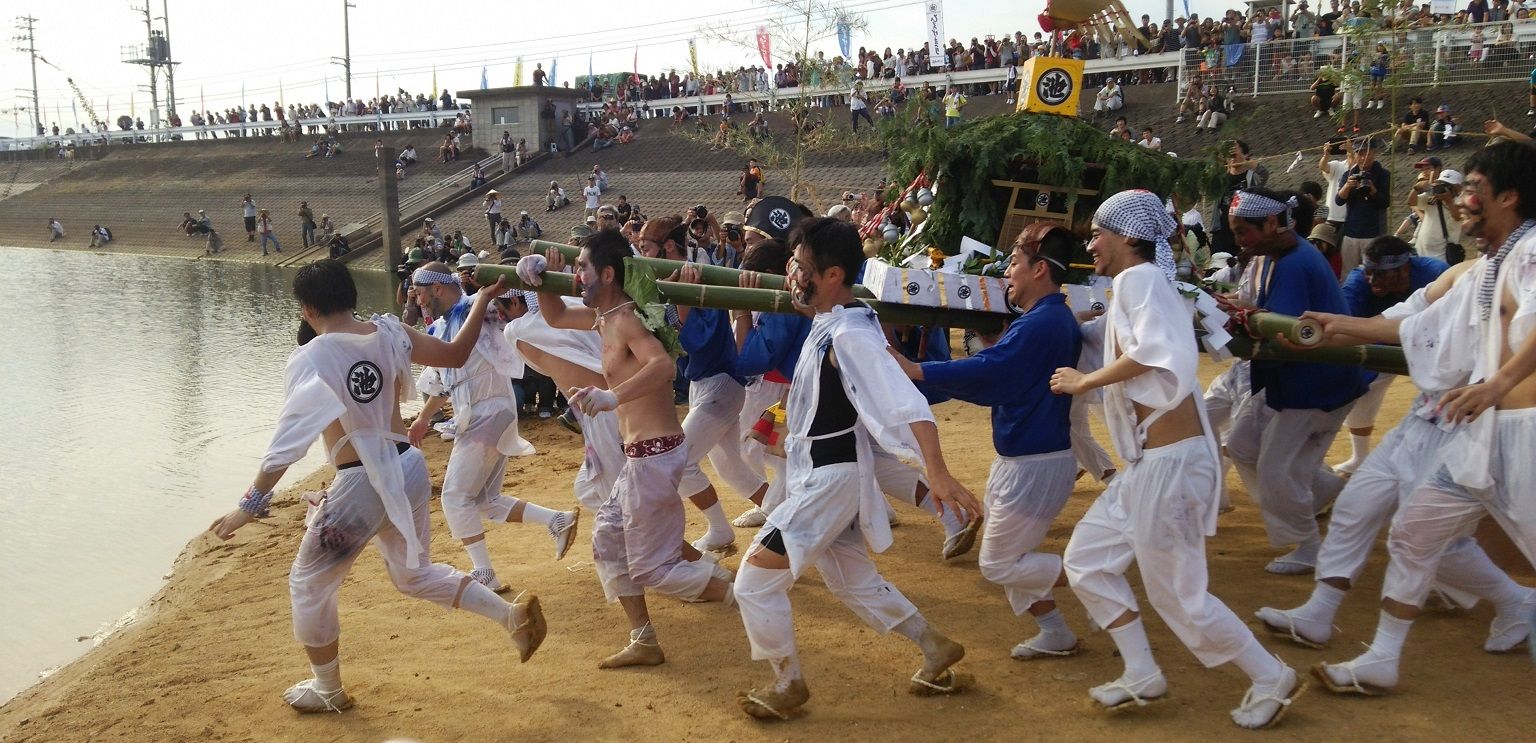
(346, 40)
(170, 67)
(25, 24)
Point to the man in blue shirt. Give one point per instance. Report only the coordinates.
(1033, 473)
(1390, 274)
(1279, 440)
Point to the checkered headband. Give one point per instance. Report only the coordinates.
(1258, 206)
(1140, 215)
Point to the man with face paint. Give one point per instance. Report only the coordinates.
(1033, 473)
(1408, 455)
(638, 369)
(1278, 440)
(1160, 508)
(849, 400)
(486, 431)
(1477, 342)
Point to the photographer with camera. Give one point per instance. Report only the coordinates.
(1366, 189)
(702, 212)
(1439, 234)
(735, 245)
(405, 293)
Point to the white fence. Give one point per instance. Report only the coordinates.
(1416, 58)
(307, 127)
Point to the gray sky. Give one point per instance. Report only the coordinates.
(224, 45)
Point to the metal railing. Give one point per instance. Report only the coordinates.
(706, 104)
(1416, 58)
(367, 122)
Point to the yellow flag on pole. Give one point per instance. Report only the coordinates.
(517, 72)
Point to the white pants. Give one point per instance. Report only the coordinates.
(1024, 495)
(1153, 514)
(840, 555)
(1229, 392)
(1363, 413)
(642, 526)
(1441, 511)
(1090, 456)
(1280, 454)
(713, 426)
(595, 484)
(1112, 103)
(336, 531)
(759, 396)
(472, 482)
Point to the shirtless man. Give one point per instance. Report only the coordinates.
(638, 371)
(1486, 359)
(345, 383)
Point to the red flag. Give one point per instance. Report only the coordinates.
(763, 47)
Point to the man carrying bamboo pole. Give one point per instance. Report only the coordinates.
(638, 368)
(1477, 342)
(486, 432)
(1035, 468)
(1408, 455)
(848, 400)
(715, 397)
(1278, 440)
(345, 384)
(1159, 509)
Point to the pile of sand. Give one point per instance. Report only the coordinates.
(215, 649)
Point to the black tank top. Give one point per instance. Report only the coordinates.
(834, 412)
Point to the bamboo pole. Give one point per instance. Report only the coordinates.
(712, 275)
(1264, 326)
(1376, 357)
(760, 300)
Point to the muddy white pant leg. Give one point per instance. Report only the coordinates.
(851, 576)
(762, 596)
(1435, 515)
(1097, 556)
(1363, 508)
(1024, 495)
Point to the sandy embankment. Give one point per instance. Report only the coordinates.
(214, 649)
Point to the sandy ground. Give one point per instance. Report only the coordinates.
(215, 649)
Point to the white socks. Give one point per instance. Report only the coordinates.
(328, 676)
(1271, 692)
(1299, 561)
(1131, 640)
(1391, 634)
(719, 525)
(1359, 447)
(478, 599)
(536, 514)
(1263, 669)
(1376, 670)
(479, 554)
(1055, 638)
(1142, 680)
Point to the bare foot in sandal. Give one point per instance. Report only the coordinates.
(939, 654)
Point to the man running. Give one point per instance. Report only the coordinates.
(345, 384)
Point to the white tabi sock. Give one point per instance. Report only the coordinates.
(328, 676)
(1359, 447)
(1391, 633)
(950, 519)
(478, 599)
(1053, 624)
(1323, 604)
(536, 514)
(479, 554)
(1263, 668)
(720, 531)
(1131, 640)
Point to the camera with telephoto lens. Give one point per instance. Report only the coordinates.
(1440, 189)
(732, 232)
(403, 272)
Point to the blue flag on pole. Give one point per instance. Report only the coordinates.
(591, 81)
(552, 67)
(845, 37)
(484, 82)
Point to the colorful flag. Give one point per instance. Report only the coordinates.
(693, 56)
(591, 80)
(764, 46)
(517, 72)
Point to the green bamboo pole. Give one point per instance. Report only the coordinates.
(1376, 357)
(760, 300)
(1265, 325)
(712, 275)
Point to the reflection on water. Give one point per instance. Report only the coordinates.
(142, 394)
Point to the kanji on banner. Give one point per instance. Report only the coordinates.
(935, 26)
(764, 46)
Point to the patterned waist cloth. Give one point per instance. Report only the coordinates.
(652, 447)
